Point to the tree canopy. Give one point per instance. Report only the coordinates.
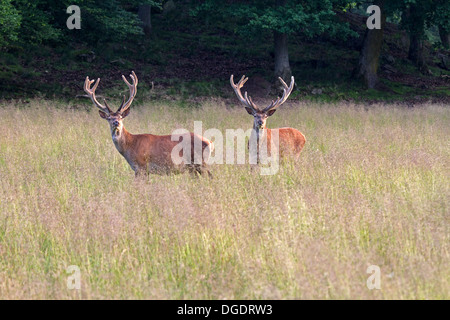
(283, 25)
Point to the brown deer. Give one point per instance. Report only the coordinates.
(148, 153)
(290, 141)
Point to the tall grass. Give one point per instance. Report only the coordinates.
(371, 188)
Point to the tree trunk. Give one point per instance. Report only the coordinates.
(282, 67)
(145, 14)
(415, 53)
(369, 57)
(445, 37)
(416, 31)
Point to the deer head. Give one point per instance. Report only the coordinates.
(260, 115)
(114, 118)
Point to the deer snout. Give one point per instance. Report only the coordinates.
(115, 123)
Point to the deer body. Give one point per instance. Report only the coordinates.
(290, 141)
(148, 153)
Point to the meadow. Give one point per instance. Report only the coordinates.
(371, 188)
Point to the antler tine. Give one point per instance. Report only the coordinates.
(133, 89)
(246, 100)
(286, 92)
(123, 101)
(250, 101)
(91, 93)
(106, 104)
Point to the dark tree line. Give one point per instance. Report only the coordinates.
(416, 16)
(24, 23)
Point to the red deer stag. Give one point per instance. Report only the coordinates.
(290, 141)
(148, 153)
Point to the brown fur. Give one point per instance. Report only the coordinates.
(148, 153)
(291, 141)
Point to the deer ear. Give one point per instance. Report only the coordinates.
(125, 113)
(249, 111)
(102, 114)
(271, 112)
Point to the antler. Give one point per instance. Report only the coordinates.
(91, 94)
(246, 100)
(133, 89)
(286, 92)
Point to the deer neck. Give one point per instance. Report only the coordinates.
(121, 138)
(260, 132)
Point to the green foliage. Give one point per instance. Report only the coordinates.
(155, 4)
(101, 21)
(42, 57)
(441, 14)
(309, 18)
(37, 24)
(108, 21)
(44, 21)
(416, 15)
(9, 23)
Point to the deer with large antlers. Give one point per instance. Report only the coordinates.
(290, 141)
(148, 153)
